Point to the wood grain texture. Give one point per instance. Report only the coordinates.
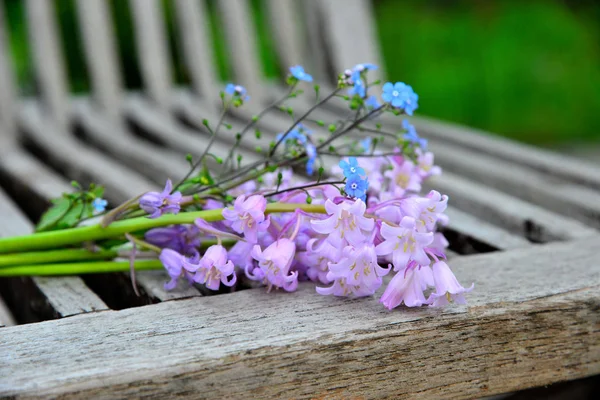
(285, 22)
(542, 189)
(555, 164)
(533, 319)
(483, 231)
(153, 283)
(526, 219)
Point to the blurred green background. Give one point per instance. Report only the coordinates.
(529, 70)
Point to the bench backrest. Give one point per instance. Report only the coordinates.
(325, 36)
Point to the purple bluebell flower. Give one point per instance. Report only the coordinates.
(407, 287)
(157, 204)
(184, 239)
(404, 243)
(214, 268)
(351, 168)
(178, 265)
(99, 205)
(346, 223)
(447, 288)
(400, 95)
(412, 136)
(248, 216)
(274, 264)
(297, 72)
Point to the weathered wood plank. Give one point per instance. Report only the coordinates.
(284, 18)
(241, 37)
(483, 231)
(195, 39)
(7, 88)
(6, 318)
(554, 164)
(81, 162)
(48, 59)
(491, 205)
(100, 55)
(545, 190)
(156, 162)
(153, 283)
(152, 49)
(350, 34)
(67, 296)
(528, 306)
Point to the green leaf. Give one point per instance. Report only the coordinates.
(51, 217)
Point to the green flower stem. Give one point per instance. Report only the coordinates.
(54, 239)
(52, 256)
(93, 267)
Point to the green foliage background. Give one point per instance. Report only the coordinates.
(527, 69)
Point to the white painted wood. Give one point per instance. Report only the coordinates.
(195, 39)
(152, 48)
(515, 215)
(527, 306)
(101, 55)
(80, 161)
(7, 88)
(556, 194)
(241, 36)
(557, 165)
(47, 59)
(285, 21)
(350, 34)
(483, 231)
(6, 318)
(156, 162)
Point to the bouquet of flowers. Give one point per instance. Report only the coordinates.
(323, 203)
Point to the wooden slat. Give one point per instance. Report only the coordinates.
(154, 161)
(315, 63)
(195, 39)
(153, 283)
(515, 215)
(6, 318)
(7, 88)
(558, 165)
(527, 306)
(350, 33)
(47, 59)
(483, 231)
(241, 35)
(563, 197)
(101, 55)
(80, 161)
(152, 49)
(287, 36)
(67, 296)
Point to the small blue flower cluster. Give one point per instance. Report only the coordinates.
(356, 185)
(300, 136)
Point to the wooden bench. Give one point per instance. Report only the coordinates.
(523, 227)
